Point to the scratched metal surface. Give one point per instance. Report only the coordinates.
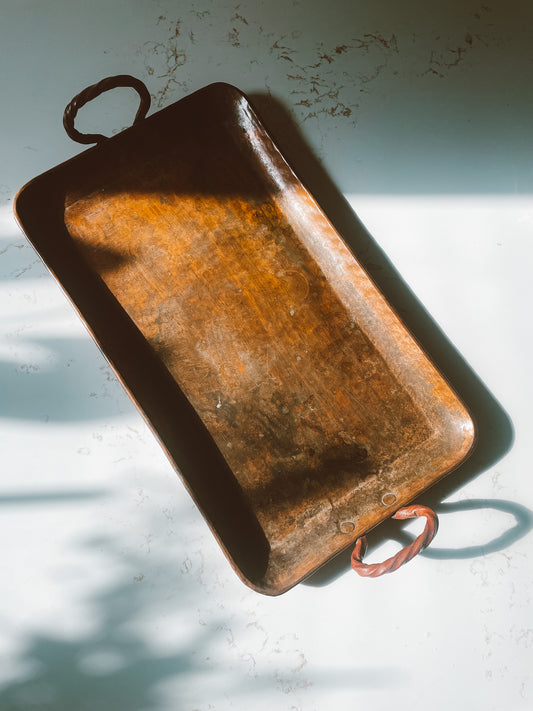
(319, 401)
(114, 594)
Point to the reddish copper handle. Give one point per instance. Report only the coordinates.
(374, 570)
(91, 92)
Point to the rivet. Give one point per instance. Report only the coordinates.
(388, 499)
(347, 527)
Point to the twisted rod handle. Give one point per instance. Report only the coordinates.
(374, 570)
(91, 92)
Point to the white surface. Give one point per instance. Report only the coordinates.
(114, 593)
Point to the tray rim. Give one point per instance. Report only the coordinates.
(70, 163)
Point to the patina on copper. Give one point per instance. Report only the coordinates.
(279, 381)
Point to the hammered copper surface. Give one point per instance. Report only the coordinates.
(291, 398)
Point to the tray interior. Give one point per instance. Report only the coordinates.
(291, 398)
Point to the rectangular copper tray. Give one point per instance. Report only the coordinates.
(295, 404)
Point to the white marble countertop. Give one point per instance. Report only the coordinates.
(410, 123)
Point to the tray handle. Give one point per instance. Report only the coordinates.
(374, 570)
(91, 92)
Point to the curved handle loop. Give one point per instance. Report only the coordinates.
(374, 570)
(91, 92)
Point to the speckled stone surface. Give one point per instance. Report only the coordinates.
(410, 124)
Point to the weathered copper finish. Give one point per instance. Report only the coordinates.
(374, 570)
(292, 399)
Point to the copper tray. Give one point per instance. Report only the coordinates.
(282, 386)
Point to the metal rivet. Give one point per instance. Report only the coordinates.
(347, 527)
(388, 499)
